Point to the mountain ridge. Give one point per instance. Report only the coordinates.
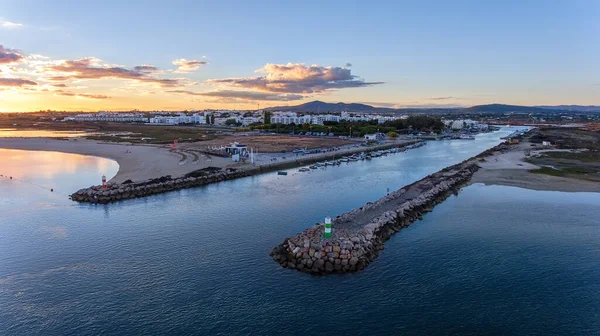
(318, 106)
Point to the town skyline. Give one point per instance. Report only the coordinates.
(87, 57)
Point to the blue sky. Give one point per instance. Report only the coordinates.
(425, 53)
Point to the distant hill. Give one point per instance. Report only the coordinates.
(573, 108)
(502, 108)
(319, 106)
(323, 107)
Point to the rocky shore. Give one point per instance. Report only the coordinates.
(128, 189)
(359, 235)
(122, 191)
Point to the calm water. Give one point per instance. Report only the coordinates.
(492, 260)
(19, 133)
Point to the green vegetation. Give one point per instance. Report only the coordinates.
(150, 133)
(582, 164)
(568, 138)
(585, 156)
(232, 122)
(418, 123)
(392, 134)
(267, 117)
(356, 129)
(548, 171)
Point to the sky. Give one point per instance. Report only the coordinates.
(176, 55)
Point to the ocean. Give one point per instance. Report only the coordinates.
(492, 260)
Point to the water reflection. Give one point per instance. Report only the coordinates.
(17, 133)
(67, 172)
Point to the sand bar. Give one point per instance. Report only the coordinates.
(510, 169)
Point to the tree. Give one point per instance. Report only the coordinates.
(207, 119)
(212, 118)
(231, 122)
(392, 134)
(267, 117)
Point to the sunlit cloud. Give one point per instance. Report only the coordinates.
(243, 95)
(82, 95)
(16, 82)
(184, 65)
(297, 78)
(91, 68)
(9, 56)
(145, 68)
(414, 104)
(443, 98)
(10, 25)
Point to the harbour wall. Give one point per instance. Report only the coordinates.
(360, 234)
(122, 191)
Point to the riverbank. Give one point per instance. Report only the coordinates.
(139, 162)
(510, 168)
(136, 162)
(139, 188)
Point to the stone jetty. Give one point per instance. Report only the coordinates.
(130, 189)
(359, 235)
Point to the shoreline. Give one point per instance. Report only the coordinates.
(140, 162)
(352, 240)
(510, 169)
(135, 162)
(200, 177)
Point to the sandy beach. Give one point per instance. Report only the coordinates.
(510, 169)
(143, 162)
(136, 162)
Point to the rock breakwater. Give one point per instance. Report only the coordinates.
(129, 189)
(116, 192)
(359, 235)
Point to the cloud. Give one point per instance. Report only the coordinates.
(381, 104)
(348, 65)
(442, 98)
(145, 68)
(87, 68)
(9, 55)
(10, 25)
(16, 82)
(243, 95)
(83, 95)
(296, 78)
(60, 85)
(187, 66)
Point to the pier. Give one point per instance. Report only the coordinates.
(356, 237)
(113, 192)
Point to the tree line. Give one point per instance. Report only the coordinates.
(412, 124)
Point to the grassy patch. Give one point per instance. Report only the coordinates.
(548, 171)
(587, 156)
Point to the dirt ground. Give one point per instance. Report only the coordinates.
(271, 143)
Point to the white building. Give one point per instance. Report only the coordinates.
(374, 137)
(181, 118)
(109, 116)
(461, 123)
